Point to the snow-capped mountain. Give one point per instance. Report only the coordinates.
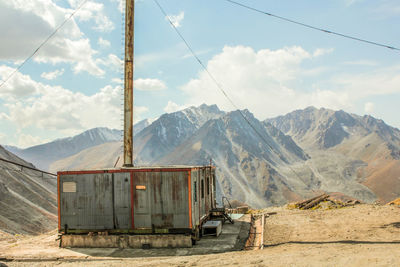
(246, 160)
(170, 130)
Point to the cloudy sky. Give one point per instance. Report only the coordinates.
(266, 65)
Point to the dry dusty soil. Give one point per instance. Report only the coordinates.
(363, 235)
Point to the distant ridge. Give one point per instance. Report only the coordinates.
(42, 156)
(308, 152)
(365, 149)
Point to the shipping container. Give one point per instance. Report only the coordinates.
(151, 200)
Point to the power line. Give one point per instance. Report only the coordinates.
(27, 167)
(43, 43)
(221, 88)
(312, 27)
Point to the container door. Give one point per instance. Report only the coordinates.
(141, 196)
(122, 201)
(169, 200)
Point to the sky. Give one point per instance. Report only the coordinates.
(266, 65)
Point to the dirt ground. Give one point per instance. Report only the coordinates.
(363, 235)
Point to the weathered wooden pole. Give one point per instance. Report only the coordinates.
(128, 83)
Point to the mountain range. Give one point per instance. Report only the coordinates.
(43, 155)
(260, 163)
(347, 147)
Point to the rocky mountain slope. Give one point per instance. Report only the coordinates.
(290, 157)
(247, 168)
(247, 165)
(347, 147)
(27, 198)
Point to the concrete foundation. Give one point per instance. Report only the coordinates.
(126, 241)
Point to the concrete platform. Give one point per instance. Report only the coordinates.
(232, 238)
(126, 241)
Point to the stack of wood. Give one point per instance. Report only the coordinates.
(395, 202)
(325, 201)
(312, 202)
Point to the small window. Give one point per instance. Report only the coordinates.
(195, 191)
(202, 188)
(69, 187)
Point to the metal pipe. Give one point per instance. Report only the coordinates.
(128, 83)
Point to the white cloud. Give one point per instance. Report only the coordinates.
(112, 61)
(4, 116)
(56, 108)
(149, 85)
(103, 42)
(27, 140)
(268, 82)
(52, 74)
(20, 37)
(93, 11)
(258, 80)
(18, 86)
(379, 81)
(117, 80)
(369, 107)
(177, 19)
(172, 107)
(322, 51)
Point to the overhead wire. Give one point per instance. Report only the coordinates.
(219, 86)
(43, 43)
(313, 27)
(26, 167)
(42, 176)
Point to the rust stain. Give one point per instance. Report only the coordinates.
(59, 201)
(132, 202)
(175, 188)
(190, 199)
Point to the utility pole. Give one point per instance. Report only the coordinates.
(128, 83)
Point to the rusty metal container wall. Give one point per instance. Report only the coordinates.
(122, 200)
(161, 200)
(135, 199)
(86, 202)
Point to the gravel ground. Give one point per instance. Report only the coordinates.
(364, 235)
